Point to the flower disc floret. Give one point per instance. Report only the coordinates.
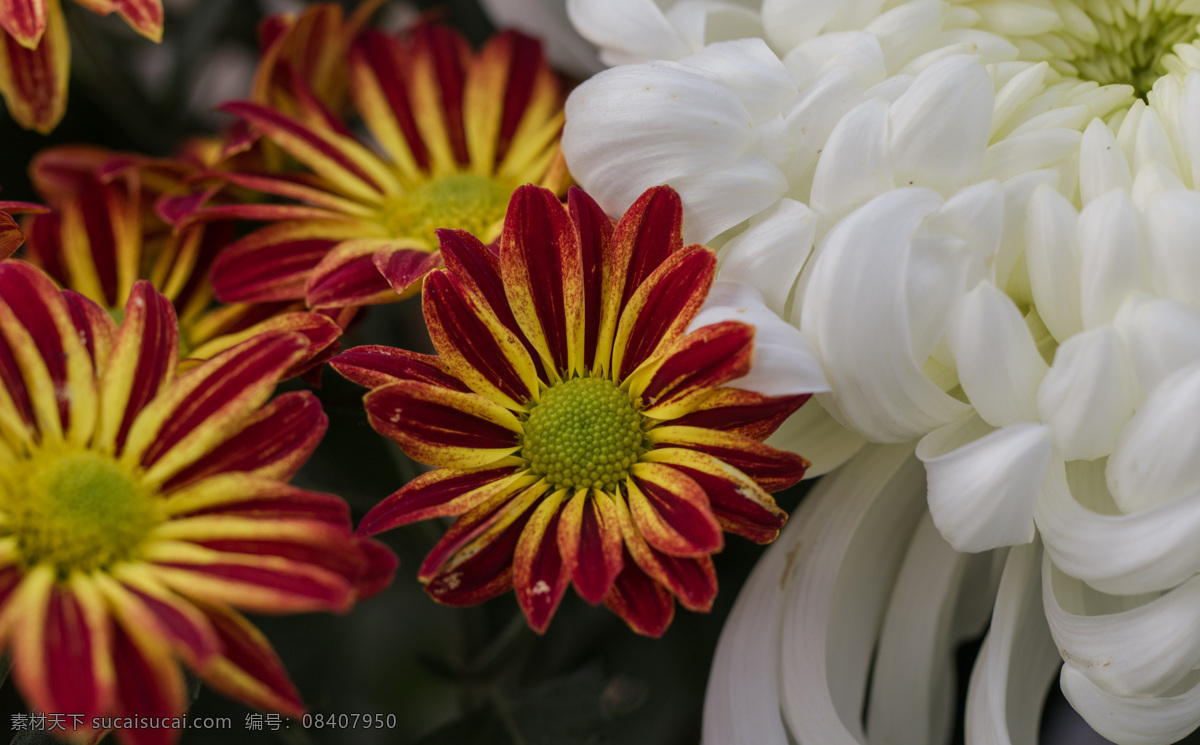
(585, 432)
(77, 512)
(465, 200)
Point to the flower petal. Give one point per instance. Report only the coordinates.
(1052, 255)
(589, 541)
(475, 345)
(645, 605)
(349, 275)
(374, 366)
(1132, 720)
(248, 669)
(772, 469)
(273, 262)
(142, 602)
(692, 580)
(543, 277)
(984, 483)
(440, 493)
(149, 681)
(33, 81)
(539, 574)
(692, 367)
(25, 20)
(442, 427)
(821, 438)
(671, 511)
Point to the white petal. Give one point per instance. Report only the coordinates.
(936, 278)
(703, 22)
(1028, 151)
(855, 164)
(1053, 260)
(1016, 93)
(939, 127)
(855, 312)
(844, 563)
(1010, 271)
(1140, 650)
(984, 483)
(1174, 220)
(716, 200)
(999, 366)
(1189, 111)
(813, 433)
(1133, 721)
(907, 30)
(1111, 251)
(784, 362)
(789, 22)
(976, 214)
(1157, 545)
(547, 20)
(1088, 394)
(751, 70)
(1152, 144)
(1017, 661)
(1102, 164)
(627, 31)
(1162, 336)
(941, 599)
(770, 253)
(1155, 459)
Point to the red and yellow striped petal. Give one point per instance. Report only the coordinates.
(595, 230)
(253, 495)
(349, 167)
(381, 95)
(661, 308)
(62, 644)
(96, 328)
(500, 508)
(144, 16)
(473, 343)
(745, 413)
(142, 602)
(649, 232)
(11, 236)
(543, 278)
(43, 362)
(273, 262)
(771, 468)
(737, 502)
(672, 512)
(531, 109)
(206, 405)
(442, 427)
(248, 668)
(442, 493)
(645, 605)
(348, 275)
(143, 360)
(698, 363)
(321, 331)
(272, 443)
(149, 683)
(406, 268)
(374, 366)
(261, 584)
(33, 81)
(589, 540)
(24, 20)
(435, 71)
(693, 580)
(539, 574)
(483, 568)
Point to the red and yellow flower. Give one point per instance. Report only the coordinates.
(581, 436)
(35, 53)
(108, 230)
(459, 132)
(141, 510)
(11, 236)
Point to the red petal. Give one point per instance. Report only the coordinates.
(248, 669)
(33, 82)
(378, 570)
(649, 232)
(65, 666)
(256, 496)
(145, 16)
(662, 307)
(438, 493)
(374, 366)
(442, 427)
(380, 60)
(272, 263)
(644, 604)
(474, 343)
(274, 442)
(672, 512)
(25, 20)
(589, 538)
(746, 413)
(773, 469)
(143, 359)
(700, 361)
(595, 231)
(539, 576)
(150, 685)
(542, 275)
(404, 268)
(95, 326)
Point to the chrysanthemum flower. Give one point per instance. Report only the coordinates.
(108, 231)
(460, 130)
(35, 53)
(581, 434)
(139, 511)
(11, 236)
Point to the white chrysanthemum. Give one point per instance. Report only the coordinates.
(981, 214)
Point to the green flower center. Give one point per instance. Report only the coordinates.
(463, 201)
(1113, 41)
(77, 512)
(583, 433)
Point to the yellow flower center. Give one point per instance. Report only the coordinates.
(583, 433)
(76, 511)
(463, 201)
(1112, 41)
